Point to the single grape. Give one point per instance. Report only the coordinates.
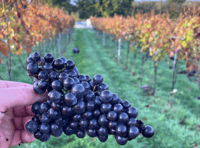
(31, 126)
(98, 79)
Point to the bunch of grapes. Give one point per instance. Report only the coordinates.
(76, 50)
(78, 105)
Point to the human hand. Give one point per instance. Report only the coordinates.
(16, 100)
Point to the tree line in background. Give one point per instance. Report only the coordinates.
(107, 8)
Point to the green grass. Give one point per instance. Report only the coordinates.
(93, 59)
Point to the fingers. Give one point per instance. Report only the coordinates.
(7, 84)
(16, 138)
(19, 96)
(21, 135)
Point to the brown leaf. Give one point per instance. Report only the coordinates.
(3, 48)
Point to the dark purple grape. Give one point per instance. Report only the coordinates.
(118, 108)
(48, 67)
(72, 74)
(86, 84)
(88, 79)
(92, 86)
(36, 56)
(82, 78)
(44, 107)
(112, 115)
(36, 119)
(42, 75)
(44, 118)
(48, 58)
(133, 132)
(54, 96)
(62, 76)
(55, 106)
(69, 83)
(120, 101)
(31, 126)
(121, 130)
(62, 121)
(98, 79)
(78, 90)
(115, 99)
(35, 107)
(112, 132)
(58, 64)
(102, 138)
(103, 131)
(64, 59)
(45, 137)
(76, 70)
(73, 125)
(38, 114)
(140, 125)
(53, 114)
(83, 123)
(30, 60)
(38, 134)
(103, 87)
(67, 111)
(70, 64)
(105, 108)
(123, 117)
(55, 128)
(44, 128)
(48, 101)
(70, 99)
(126, 104)
(77, 117)
(80, 133)
(97, 113)
(41, 62)
(132, 112)
(92, 132)
(76, 80)
(80, 107)
(103, 121)
(112, 125)
(68, 130)
(32, 69)
(93, 124)
(90, 105)
(57, 85)
(106, 96)
(53, 76)
(97, 101)
(89, 95)
(121, 140)
(88, 115)
(58, 134)
(148, 132)
(42, 84)
(132, 122)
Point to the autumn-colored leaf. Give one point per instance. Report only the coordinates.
(3, 48)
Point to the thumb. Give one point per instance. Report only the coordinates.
(19, 96)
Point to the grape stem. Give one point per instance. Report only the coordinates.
(94, 87)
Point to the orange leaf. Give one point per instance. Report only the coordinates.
(3, 48)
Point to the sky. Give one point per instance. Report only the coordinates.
(73, 1)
